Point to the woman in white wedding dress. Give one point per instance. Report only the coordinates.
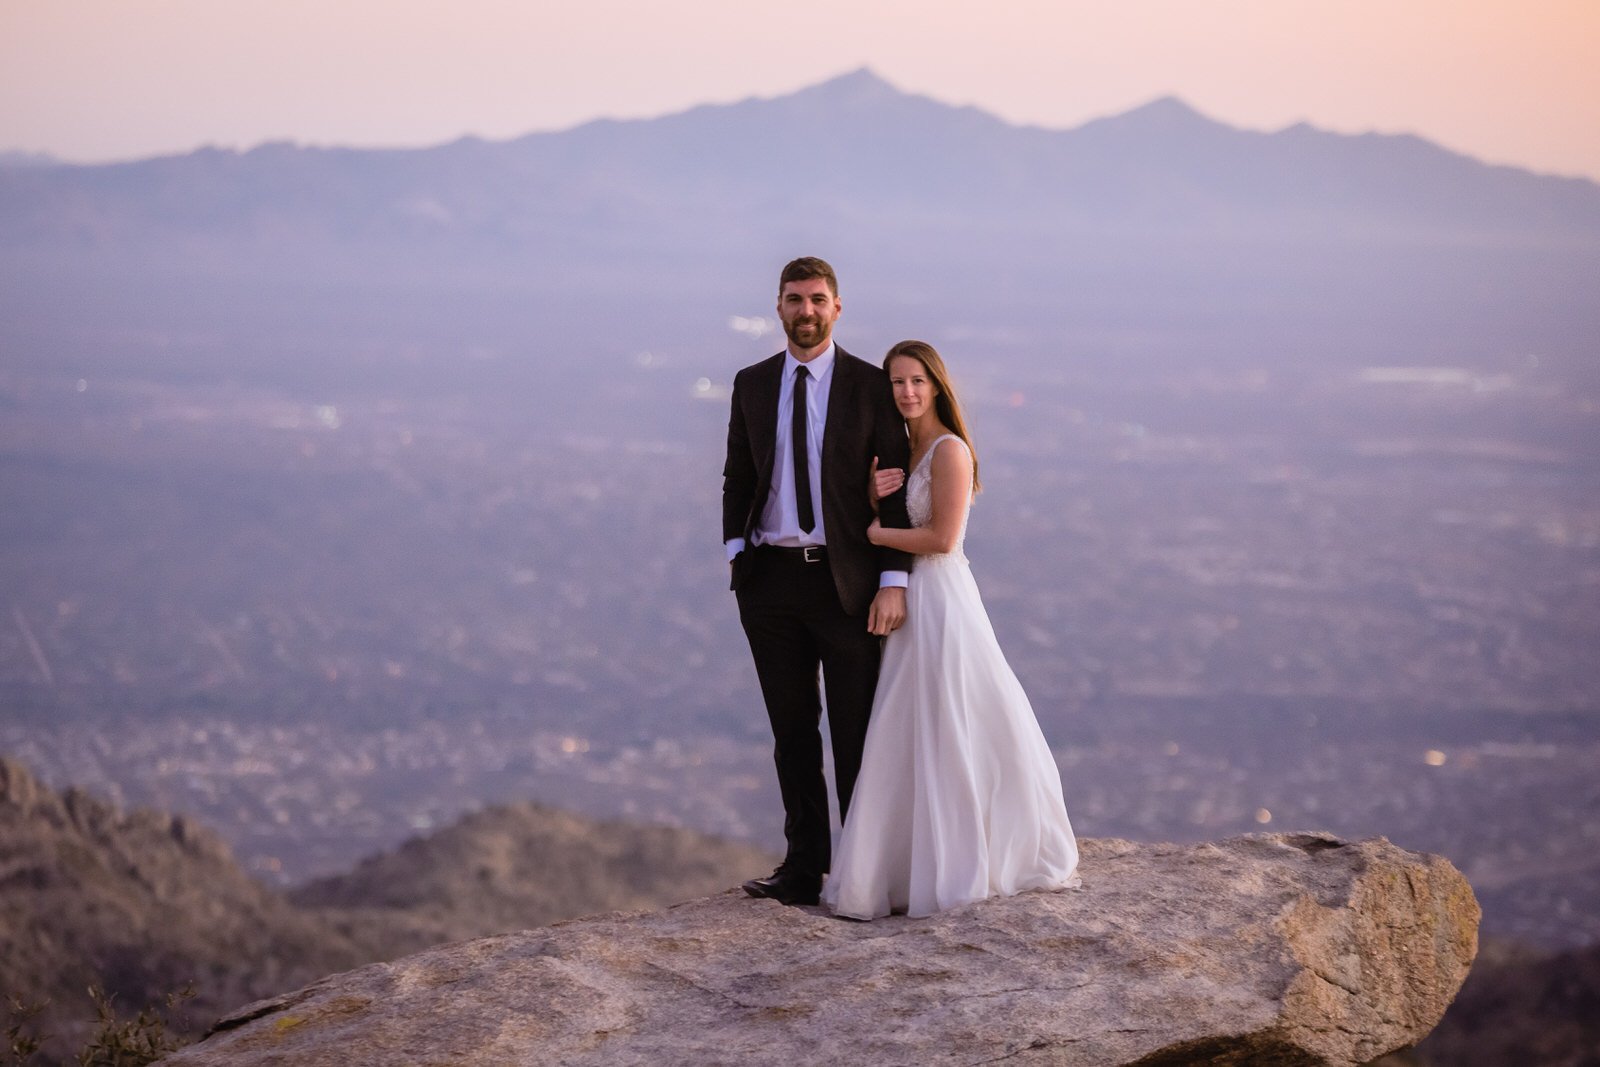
(958, 798)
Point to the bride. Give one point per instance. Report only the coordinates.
(958, 798)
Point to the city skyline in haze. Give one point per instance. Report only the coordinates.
(87, 81)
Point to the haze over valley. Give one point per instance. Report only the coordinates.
(350, 491)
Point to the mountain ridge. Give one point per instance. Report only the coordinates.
(1145, 230)
(879, 129)
(862, 85)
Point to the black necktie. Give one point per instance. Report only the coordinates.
(801, 443)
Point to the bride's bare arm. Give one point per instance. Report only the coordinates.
(952, 491)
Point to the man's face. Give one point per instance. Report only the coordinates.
(808, 310)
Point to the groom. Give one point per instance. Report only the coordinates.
(806, 426)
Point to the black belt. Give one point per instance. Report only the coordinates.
(808, 554)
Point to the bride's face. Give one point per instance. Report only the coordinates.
(913, 389)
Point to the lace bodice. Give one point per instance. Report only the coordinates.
(919, 496)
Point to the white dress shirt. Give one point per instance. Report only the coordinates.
(779, 523)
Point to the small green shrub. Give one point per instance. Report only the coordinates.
(116, 1042)
(22, 1043)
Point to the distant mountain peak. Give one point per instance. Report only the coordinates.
(854, 86)
(861, 77)
(1166, 111)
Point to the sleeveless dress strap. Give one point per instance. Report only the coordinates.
(937, 441)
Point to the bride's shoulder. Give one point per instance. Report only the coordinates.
(950, 453)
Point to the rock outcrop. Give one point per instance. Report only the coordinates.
(1266, 949)
(143, 903)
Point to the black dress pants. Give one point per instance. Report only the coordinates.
(792, 617)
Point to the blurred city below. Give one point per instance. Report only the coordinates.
(347, 491)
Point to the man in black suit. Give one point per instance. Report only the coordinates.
(806, 428)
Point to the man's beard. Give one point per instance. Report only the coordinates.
(816, 330)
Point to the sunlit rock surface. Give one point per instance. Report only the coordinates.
(1264, 949)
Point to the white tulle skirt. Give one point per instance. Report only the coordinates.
(958, 798)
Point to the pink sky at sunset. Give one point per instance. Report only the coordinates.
(92, 80)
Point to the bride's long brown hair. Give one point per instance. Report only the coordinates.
(945, 404)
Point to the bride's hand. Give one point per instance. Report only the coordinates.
(874, 530)
(883, 483)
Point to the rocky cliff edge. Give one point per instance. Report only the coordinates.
(1277, 949)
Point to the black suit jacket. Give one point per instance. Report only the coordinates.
(862, 422)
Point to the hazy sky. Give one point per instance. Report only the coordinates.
(1514, 81)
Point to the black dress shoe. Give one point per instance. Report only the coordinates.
(786, 888)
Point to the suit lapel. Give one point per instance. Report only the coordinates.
(841, 394)
(763, 416)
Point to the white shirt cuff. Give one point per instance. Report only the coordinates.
(735, 546)
(893, 579)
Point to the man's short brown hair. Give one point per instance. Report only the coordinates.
(805, 268)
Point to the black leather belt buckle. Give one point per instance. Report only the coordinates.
(811, 553)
